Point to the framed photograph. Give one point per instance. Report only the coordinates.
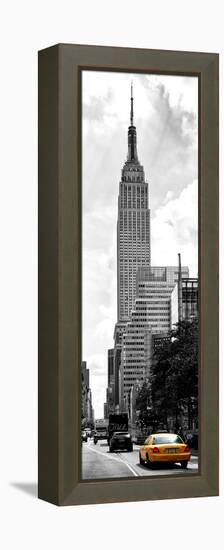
(128, 274)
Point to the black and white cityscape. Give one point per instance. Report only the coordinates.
(140, 275)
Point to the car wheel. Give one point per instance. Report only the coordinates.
(110, 449)
(184, 464)
(130, 448)
(148, 461)
(140, 460)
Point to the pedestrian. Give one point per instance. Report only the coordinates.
(181, 433)
(189, 439)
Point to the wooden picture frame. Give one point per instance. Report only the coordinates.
(59, 381)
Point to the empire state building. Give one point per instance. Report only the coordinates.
(133, 225)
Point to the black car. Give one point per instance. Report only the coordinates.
(120, 440)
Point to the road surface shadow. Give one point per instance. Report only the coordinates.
(26, 487)
(119, 451)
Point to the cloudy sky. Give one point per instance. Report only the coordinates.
(166, 118)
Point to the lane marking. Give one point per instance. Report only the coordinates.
(119, 459)
(103, 454)
(130, 467)
(123, 460)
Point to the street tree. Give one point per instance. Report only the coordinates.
(174, 375)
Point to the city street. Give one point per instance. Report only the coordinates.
(98, 463)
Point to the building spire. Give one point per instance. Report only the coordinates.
(132, 137)
(132, 110)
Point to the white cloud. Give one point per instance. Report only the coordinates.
(175, 229)
(104, 329)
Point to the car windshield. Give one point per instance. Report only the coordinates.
(168, 438)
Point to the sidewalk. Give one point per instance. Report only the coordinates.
(194, 451)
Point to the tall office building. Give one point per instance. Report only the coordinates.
(151, 315)
(133, 239)
(110, 391)
(87, 408)
(185, 302)
(133, 225)
(118, 334)
(110, 367)
(189, 298)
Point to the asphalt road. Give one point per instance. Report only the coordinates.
(98, 463)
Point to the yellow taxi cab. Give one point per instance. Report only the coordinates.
(164, 447)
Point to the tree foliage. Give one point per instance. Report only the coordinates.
(143, 403)
(174, 377)
(174, 380)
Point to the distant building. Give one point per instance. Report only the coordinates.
(110, 370)
(105, 410)
(118, 333)
(189, 298)
(85, 374)
(110, 392)
(184, 304)
(158, 341)
(133, 241)
(151, 315)
(87, 408)
(133, 225)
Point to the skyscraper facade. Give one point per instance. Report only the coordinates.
(133, 240)
(110, 392)
(110, 367)
(151, 315)
(87, 408)
(133, 225)
(185, 302)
